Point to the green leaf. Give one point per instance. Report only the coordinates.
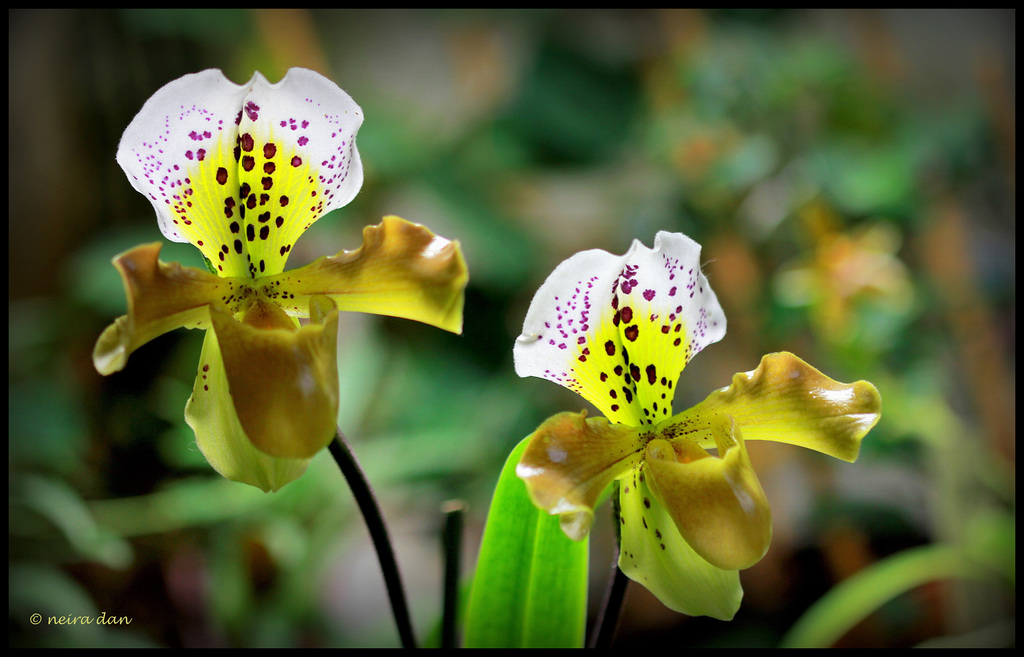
(854, 599)
(530, 588)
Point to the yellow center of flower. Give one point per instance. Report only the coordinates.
(244, 204)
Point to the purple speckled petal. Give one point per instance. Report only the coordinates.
(618, 330)
(241, 171)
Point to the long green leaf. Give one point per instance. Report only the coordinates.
(530, 587)
(855, 598)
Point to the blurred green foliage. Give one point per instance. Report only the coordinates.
(849, 174)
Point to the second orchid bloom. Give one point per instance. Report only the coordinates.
(241, 171)
(619, 330)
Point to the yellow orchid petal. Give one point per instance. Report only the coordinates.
(220, 437)
(240, 171)
(570, 459)
(654, 554)
(161, 297)
(284, 382)
(717, 504)
(618, 330)
(401, 270)
(788, 401)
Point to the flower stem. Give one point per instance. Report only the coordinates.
(615, 593)
(454, 512)
(361, 490)
(608, 617)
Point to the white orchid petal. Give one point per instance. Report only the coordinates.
(619, 329)
(241, 171)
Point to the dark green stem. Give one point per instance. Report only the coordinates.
(608, 617)
(454, 512)
(378, 534)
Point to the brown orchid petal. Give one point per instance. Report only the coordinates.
(161, 297)
(284, 383)
(569, 461)
(401, 270)
(788, 401)
(717, 504)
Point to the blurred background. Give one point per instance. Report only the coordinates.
(850, 175)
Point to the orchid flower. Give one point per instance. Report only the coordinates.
(619, 331)
(241, 171)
